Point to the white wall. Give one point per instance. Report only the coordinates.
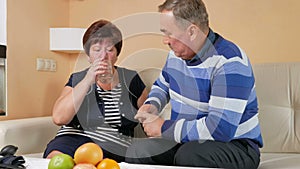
(3, 14)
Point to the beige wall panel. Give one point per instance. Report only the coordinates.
(268, 30)
(32, 93)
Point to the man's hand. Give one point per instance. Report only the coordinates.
(152, 123)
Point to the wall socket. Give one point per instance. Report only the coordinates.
(45, 65)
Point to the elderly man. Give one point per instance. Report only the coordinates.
(210, 84)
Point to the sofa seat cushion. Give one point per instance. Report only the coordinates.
(280, 161)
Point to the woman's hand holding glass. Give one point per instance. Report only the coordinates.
(106, 70)
(100, 70)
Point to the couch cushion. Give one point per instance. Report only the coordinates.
(149, 76)
(278, 91)
(279, 161)
(30, 135)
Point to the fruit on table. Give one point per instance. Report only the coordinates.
(61, 161)
(108, 164)
(88, 153)
(84, 166)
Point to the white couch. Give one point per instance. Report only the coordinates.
(278, 90)
(30, 135)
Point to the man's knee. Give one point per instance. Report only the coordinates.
(138, 152)
(188, 155)
(150, 151)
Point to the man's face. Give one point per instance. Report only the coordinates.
(176, 37)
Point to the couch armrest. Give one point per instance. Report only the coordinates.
(30, 135)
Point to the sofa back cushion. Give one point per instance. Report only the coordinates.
(149, 75)
(30, 135)
(278, 92)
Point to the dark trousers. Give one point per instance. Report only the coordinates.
(237, 154)
(69, 143)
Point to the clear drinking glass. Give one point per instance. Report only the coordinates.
(107, 77)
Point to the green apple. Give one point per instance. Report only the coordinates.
(61, 161)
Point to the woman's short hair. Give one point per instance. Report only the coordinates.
(98, 31)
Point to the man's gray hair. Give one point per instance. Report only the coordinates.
(187, 12)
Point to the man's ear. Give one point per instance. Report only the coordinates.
(193, 31)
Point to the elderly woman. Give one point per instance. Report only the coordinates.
(98, 104)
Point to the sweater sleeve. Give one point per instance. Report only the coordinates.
(159, 94)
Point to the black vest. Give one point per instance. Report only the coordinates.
(91, 112)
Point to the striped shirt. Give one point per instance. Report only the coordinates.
(212, 96)
(101, 134)
(111, 99)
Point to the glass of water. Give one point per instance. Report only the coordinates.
(107, 77)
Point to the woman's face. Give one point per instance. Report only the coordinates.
(104, 50)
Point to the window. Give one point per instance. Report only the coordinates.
(3, 34)
(2, 86)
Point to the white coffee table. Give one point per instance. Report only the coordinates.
(36, 163)
(41, 163)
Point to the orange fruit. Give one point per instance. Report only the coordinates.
(84, 166)
(88, 153)
(108, 164)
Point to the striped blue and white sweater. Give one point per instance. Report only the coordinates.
(212, 96)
